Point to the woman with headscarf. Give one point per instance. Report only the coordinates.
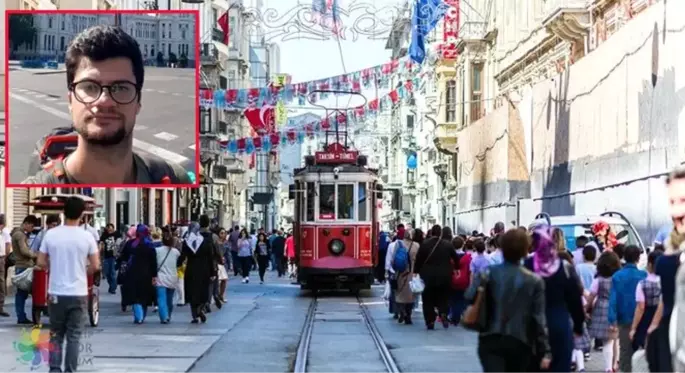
(140, 260)
(198, 254)
(121, 267)
(434, 264)
(563, 301)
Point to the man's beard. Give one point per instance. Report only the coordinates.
(107, 140)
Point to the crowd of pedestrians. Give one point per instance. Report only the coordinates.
(538, 305)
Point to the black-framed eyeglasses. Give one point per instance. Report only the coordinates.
(89, 91)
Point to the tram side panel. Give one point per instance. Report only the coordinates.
(321, 268)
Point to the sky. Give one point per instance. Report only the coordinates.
(306, 59)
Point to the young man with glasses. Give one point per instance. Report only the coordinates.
(105, 75)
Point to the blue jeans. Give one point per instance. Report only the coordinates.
(165, 302)
(139, 313)
(227, 261)
(110, 273)
(20, 300)
(273, 262)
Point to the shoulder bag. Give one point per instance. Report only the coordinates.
(417, 285)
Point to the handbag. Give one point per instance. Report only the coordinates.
(417, 285)
(475, 317)
(23, 280)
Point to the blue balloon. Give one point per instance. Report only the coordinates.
(411, 162)
(232, 146)
(266, 143)
(284, 139)
(300, 137)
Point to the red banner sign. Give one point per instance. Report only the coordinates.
(450, 30)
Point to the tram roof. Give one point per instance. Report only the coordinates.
(342, 168)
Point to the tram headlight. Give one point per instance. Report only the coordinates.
(336, 247)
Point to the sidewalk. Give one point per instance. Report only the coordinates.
(119, 345)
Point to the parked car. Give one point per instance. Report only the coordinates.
(574, 226)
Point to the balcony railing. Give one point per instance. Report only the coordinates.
(208, 53)
(472, 31)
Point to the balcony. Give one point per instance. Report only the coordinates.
(471, 32)
(446, 138)
(440, 168)
(570, 20)
(209, 55)
(233, 164)
(209, 144)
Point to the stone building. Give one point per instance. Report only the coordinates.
(567, 108)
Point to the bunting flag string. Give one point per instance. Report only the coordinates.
(302, 92)
(269, 142)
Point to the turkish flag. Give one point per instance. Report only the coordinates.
(261, 119)
(223, 25)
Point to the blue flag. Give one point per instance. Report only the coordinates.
(426, 15)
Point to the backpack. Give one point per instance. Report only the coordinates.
(400, 262)
(51, 149)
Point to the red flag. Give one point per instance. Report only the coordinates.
(223, 24)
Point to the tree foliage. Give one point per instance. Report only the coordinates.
(21, 30)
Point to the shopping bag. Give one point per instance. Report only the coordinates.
(417, 285)
(24, 280)
(639, 362)
(386, 291)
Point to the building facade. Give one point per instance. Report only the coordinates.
(565, 107)
(165, 34)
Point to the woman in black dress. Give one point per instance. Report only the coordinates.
(198, 250)
(140, 260)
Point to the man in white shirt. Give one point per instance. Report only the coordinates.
(5, 242)
(69, 252)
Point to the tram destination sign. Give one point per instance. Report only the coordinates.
(337, 157)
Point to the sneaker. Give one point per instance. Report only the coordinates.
(244, 281)
(247, 280)
(4, 314)
(261, 282)
(25, 322)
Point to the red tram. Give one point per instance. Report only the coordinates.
(336, 220)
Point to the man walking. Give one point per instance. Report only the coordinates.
(5, 242)
(65, 250)
(25, 259)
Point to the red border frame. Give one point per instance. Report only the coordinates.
(196, 13)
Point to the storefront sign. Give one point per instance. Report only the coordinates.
(450, 31)
(336, 153)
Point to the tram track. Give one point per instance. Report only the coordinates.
(315, 329)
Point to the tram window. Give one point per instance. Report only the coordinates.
(311, 198)
(363, 202)
(327, 201)
(345, 201)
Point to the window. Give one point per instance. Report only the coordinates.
(232, 41)
(311, 198)
(476, 91)
(345, 201)
(363, 203)
(327, 201)
(451, 101)
(50, 22)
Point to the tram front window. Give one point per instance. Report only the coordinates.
(345, 201)
(327, 201)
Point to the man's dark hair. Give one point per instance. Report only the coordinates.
(74, 208)
(589, 253)
(30, 219)
(399, 226)
(52, 219)
(581, 241)
(677, 174)
(109, 225)
(631, 254)
(436, 231)
(653, 256)
(100, 43)
(479, 245)
(204, 221)
(237, 228)
(607, 264)
(3, 219)
(447, 233)
(499, 227)
(620, 249)
(458, 242)
(514, 244)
